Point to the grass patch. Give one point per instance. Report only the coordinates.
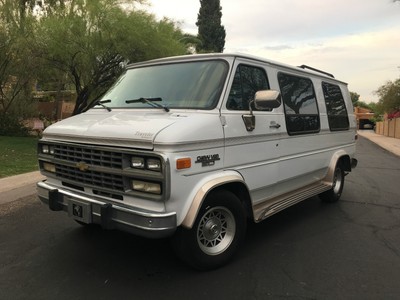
(17, 155)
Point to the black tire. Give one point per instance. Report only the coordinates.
(216, 234)
(333, 195)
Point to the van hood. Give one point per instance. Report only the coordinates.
(131, 129)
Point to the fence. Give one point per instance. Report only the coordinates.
(390, 128)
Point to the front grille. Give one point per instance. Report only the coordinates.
(93, 178)
(90, 156)
(102, 170)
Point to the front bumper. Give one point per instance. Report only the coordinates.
(109, 216)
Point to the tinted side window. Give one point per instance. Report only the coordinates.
(335, 107)
(247, 81)
(300, 104)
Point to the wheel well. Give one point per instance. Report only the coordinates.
(240, 190)
(345, 162)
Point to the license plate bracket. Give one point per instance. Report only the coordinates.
(80, 211)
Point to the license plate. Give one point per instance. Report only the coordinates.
(80, 211)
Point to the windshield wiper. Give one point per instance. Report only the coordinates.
(101, 103)
(149, 101)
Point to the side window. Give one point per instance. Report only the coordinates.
(335, 107)
(247, 81)
(300, 104)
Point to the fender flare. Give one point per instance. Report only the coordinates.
(202, 193)
(337, 156)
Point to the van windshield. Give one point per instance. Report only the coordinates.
(193, 85)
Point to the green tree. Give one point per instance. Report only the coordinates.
(210, 31)
(92, 41)
(17, 69)
(363, 104)
(389, 96)
(354, 98)
(191, 42)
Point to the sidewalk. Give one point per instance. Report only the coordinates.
(18, 186)
(388, 143)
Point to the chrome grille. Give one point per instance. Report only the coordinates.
(90, 156)
(98, 179)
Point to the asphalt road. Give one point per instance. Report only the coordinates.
(347, 250)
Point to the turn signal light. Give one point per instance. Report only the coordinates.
(183, 163)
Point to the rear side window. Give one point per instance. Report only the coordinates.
(247, 81)
(300, 104)
(335, 107)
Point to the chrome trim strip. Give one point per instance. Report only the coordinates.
(272, 206)
(129, 143)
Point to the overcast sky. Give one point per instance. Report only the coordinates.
(358, 41)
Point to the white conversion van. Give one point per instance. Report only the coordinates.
(194, 147)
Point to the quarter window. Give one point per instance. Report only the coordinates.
(335, 107)
(300, 104)
(247, 81)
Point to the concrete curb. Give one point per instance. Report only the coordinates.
(19, 186)
(17, 181)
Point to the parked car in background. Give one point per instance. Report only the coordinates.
(368, 126)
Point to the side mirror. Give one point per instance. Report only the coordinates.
(263, 100)
(267, 100)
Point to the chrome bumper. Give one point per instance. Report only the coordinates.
(109, 216)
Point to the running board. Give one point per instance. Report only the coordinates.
(266, 209)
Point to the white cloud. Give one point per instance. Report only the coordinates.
(356, 40)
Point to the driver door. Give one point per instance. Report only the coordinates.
(252, 153)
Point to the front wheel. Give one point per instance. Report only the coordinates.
(335, 192)
(216, 234)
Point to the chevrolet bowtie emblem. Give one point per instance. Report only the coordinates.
(82, 166)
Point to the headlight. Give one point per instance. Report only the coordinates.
(45, 149)
(48, 149)
(154, 164)
(137, 162)
(146, 163)
(146, 187)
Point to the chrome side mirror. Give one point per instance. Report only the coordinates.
(263, 100)
(267, 100)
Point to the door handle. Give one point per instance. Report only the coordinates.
(274, 125)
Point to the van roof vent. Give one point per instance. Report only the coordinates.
(316, 70)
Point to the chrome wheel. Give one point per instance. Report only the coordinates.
(337, 181)
(335, 192)
(216, 234)
(216, 230)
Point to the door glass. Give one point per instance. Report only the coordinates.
(247, 81)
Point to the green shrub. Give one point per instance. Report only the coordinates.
(11, 125)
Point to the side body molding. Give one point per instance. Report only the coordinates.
(202, 194)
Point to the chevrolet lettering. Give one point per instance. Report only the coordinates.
(195, 147)
(207, 160)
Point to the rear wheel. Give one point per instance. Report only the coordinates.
(335, 192)
(216, 234)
